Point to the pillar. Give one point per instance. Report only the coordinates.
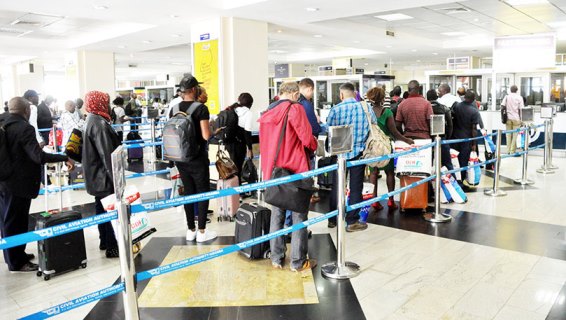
(95, 71)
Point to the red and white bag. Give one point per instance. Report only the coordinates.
(455, 163)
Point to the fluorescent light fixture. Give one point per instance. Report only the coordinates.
(526, 2)
(312, 9)
(146, 41)
(366, 64)
(454, 33)
(435, 53)
(389, 46)
(279, 31)
(99, 7)
(414, 50)
(317, 36)
(556, 24)
(394, 17)
(356, 41)
(15, 22)
(176, 35)
(330, 54)
(121, 47)
(174, 16)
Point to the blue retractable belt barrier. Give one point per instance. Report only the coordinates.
(388, 156)
(142, 145)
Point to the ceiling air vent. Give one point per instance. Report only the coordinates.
(453, 10)
(390, 33)
(132, 65)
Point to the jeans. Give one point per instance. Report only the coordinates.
(512, 137)
(464, 156)
(356, 188)
(196, 179)
(105, 230)
(14, 219)
(299, 239)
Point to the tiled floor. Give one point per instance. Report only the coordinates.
(417, 273)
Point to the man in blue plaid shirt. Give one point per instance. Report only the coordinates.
(350, 112)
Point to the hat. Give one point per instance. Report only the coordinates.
(188, 82)
(30, 93)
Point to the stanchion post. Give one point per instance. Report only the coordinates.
(46, 193)
(545, 169)
(524, 180)
(495, 191)
(152, 132)
(437, 217)
(58, 172)
(551, 145)
(127, 267)
(340, 269)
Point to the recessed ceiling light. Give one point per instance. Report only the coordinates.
(279, 30)
(394, 17)
(131, 55)
(317, 36)
(418, 60)
(414, 50)
(146, 41)
(526, 2)
(121, 47)
(454, 33)
(389, 46)
(556, 24)
(366, 64)
(476, 20)
(100, 7)
(174, 16)
(435, 53)
(312, 9)
(176, 35)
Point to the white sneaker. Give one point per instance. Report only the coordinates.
(191, 235)
(207, 235)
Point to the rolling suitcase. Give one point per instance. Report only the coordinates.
(414, 198)
(134, 153)
(252, 221)
(62, 253)
(228, 206)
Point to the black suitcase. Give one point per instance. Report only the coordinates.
(252, 221)
(134, 153)
(325, 179)
(63, 253)
(489, 156)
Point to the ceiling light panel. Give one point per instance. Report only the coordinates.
(454, 33)
(394, 17)
(526, 2)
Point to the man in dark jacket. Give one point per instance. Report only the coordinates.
(99, 141)
(44, 118)
(439, 109)
(22, 186)
(466, 120)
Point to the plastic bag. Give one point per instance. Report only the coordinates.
(451, 190)
(455, 163)
(473, 175)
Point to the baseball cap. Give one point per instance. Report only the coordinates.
(30, 93)
(188, 82)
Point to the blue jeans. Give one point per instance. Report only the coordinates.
(299, 239)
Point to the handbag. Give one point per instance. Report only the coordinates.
(74, 146)
(377, 143)
(249, 171)
(294, 196)
(504, 111)
(225, 166)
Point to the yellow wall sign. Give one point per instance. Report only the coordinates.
(206, 71)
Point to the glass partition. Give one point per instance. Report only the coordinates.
(532, 90)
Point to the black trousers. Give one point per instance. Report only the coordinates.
(195, 175)
(105, 230)
(356, 188)
(237, 152)
(14, 220)
(464, 156)
(446, 161)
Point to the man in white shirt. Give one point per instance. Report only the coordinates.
(69, 121)
(445, 97)
(513, 102)
(33, 97)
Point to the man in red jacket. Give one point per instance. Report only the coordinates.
(294, 152)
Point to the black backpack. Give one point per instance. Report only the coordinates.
(180, 141)
(227, 119)
(6, 166)
(113, 116)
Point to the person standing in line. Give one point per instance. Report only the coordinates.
(79, 112)
(513, 102)
(446, 98)
(461, 93)
(195, 173)
(239, 146)
(33, 98)
(306, 90)
(134, 111)
(99, 141)
(466, 120)
(386, 123)
(68, 121)
(350, 112)
(119, 116)
(17, 191)
(45, 117)
(440, 109)
(293, 155)
(414, 114)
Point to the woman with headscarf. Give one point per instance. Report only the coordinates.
(241, 145)
(99, 141)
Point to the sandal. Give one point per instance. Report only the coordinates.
(377, 206)
(391, 204)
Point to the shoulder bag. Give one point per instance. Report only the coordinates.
(225, 166)
(294, 196)
(377, 143)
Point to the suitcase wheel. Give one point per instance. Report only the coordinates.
(83, 265)
(46, 277)
(39, 274)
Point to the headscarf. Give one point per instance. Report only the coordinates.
(97, 102)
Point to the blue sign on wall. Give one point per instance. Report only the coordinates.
(205, 36)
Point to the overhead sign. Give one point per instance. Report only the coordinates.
(524, 53)
(204, 37)
(282, 70)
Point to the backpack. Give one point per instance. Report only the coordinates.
(227, 119)
(377, 143)
(6, 167)
(180, 141)
(113, 116)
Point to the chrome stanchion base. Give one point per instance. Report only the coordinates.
(552, 167)
(544, 170)
(495, 193)
(524, 182)
(437, 218)
(333, 271)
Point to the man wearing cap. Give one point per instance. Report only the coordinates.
(17, 191)
(195, 172)
(33, 97)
